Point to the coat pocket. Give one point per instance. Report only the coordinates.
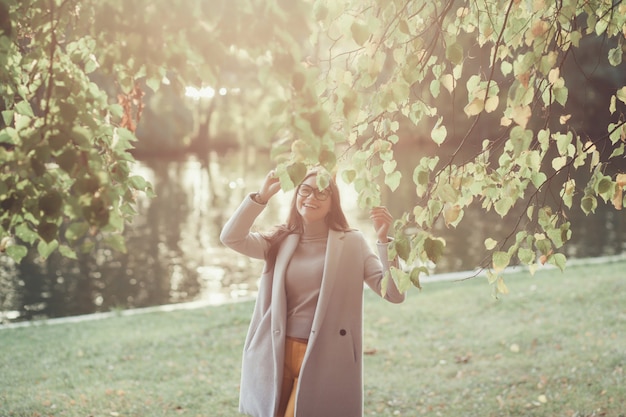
(261, 330)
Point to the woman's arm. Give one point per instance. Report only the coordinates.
(236, 233)
(377, 266)
(375, 269)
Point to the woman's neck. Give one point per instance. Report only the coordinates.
(315, 230)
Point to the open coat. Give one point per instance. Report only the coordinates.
(330, 383)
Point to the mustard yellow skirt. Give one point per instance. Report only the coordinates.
(294, 355)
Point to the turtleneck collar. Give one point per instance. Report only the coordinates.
(315, 230)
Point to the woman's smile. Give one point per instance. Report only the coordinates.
(312, 203)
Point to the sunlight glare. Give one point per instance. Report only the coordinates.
(200, 93)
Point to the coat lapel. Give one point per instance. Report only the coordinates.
(279, 299)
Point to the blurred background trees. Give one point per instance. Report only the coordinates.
(484, 124)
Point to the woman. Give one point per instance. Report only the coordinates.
(303, 352)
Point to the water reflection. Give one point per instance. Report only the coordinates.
(174, 253)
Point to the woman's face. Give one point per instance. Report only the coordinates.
(312, 204)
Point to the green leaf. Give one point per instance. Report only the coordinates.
(526, 256)
(7, 116)
(503, 205)
(402, 247)
(138, 182)
(328, 159)
(67, 252)
(297, 171)
(402, 279)
(23, 107)
(348, 175)
(25, 233)
(454, 53)
(605, 186)
(589, 204)
(154, 83)
(434, 248)
(116, 242)
(615, 55)
(319, 121)
(500, 260)
(439, 133)
(360, 33)
(46, 248)
(76, 231)
(414, 275)
(490, 243)
(17, 252)
(559, 260)
(384, 283)
(393, 180)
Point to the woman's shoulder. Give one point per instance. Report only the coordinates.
(353, 233)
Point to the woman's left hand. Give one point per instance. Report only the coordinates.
(381, 218)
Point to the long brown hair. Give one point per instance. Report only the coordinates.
(335, 220)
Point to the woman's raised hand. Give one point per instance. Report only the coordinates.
(381, 218)
(271, 185)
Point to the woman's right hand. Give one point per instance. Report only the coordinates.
(271, 185)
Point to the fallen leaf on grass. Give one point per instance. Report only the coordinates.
(463, 358)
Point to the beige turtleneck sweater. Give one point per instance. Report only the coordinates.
(303, 279)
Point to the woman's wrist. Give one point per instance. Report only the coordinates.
(256, 197)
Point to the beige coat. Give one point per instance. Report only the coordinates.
(330, 383)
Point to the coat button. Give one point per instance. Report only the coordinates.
(342, 332)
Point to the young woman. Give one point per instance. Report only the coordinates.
(303, 352)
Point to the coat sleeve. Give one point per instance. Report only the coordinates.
(236, 233)
(375, 269)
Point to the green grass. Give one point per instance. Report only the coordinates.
(554, 346)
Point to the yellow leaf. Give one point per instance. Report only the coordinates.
(475, 107)
(439, 134)
(618, 198)
(448, 82)
(558, 163)
(490, 243)
(554, 75)
(613, 104)
(521, 115)
(451, 214)
(492, 104)
(502, 288)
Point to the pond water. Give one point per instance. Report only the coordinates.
(174, 252)
(210, 195)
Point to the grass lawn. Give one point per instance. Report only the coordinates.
(554, 346)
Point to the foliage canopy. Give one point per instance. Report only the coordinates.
(494, 91)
